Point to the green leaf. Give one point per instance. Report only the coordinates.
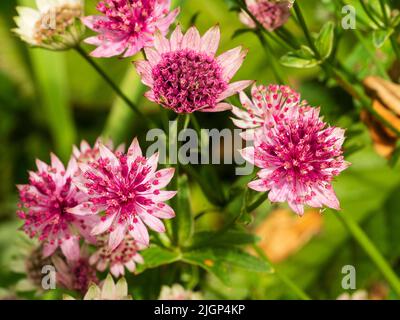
(324, 41)
(380, 36)
(239, 32)
(395, 156)
(155, 257)
(228, 238)
(219, 260)
(184, 221)
(302, 58)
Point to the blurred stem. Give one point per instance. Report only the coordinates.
(270, 54)
(395, 45)
(371, 250)
(370, 15)
(258, 202)
(112, 84)
(286, 280)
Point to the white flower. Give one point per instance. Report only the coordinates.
(55, 25)
(177, 292)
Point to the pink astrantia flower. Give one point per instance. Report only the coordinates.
(125, 255)
(299, 156)
(274, 100)
(75, 275)
(44, 205)
(127, 26)
(270, 14)
(85, 153)
(126, 187)
(185, 75)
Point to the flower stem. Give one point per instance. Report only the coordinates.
(286, 280)
(370, 249)
(112, 84)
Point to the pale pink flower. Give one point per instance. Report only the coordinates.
(125, 255)
(185, 75)
(270, 14)
(44, 208)
(127, 26)
(177, 292)
(75, 275)
(85, 153)
(299, 156)
(127, 188)
(274, 100)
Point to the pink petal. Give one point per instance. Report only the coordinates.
(161, 43)
(70, 248)
(106, 153)
(231, 61)
(164, 177)
(163, 212)
(191, 39)
(140, 233)
(48, 249)
(103, 225)
(234, 88)
(143, 68)
(153, 222)
(153, 57)
(210, 41)
(176, 38)
(218, 108)
(258, 185)
(82, 209)
(116, 236)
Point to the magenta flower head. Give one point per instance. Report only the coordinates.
(127, 26)
(299, 156)
(124, 256)
(269, 13)
(185, 76)
(126, 187)
(274, 100)
(44, 208)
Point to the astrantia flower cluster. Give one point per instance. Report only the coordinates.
(127, 26)
(269, 13)
(298, 154)
(185, 76)
(55, 25)
(102, 193)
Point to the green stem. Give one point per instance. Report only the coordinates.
(370, 249)
(270, 54)
(395, 45)
(369, 14)
(112, 84)
(258, 202)
(285, 279)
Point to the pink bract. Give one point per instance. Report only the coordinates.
(127, 188)
(184, 74)
(127, 26)
(44, 208)
(299, 156)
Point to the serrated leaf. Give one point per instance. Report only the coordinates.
(380, 36)
(219, 260)
(155, 257)
(324, 41)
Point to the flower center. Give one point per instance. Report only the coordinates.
(56, 22)
(126, 15)
(302, 151)
(122, 254)
(84, 275)
(186, 81)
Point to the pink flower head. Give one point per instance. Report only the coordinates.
(127, 26)
(299, 155)
(274, 100)
(126, 187)
(44, 207)
(270, 14)
(86, 153)
(185, 76)
(75, 275)
(125, 255)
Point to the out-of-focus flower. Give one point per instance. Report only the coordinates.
(125, 255)
(108, 291)
(75, 275)
(27, 259)
(85, 153)
(127, 26)
(44, 204)
(185, 76)
(127, 188)
(358, 295)
(265, 102)
(299, 156)
(270, 14)
(177, 292)
(55, 25)
(386, 102)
